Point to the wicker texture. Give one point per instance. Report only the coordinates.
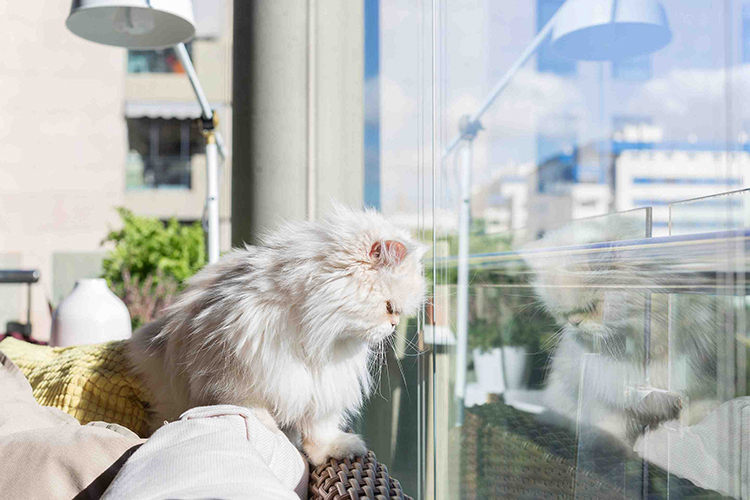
(511, 454)
(89, 382)
(363, 477)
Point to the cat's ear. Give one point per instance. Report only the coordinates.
(387, 253)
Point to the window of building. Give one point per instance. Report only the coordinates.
(160, 151)
(548, 61)
(157, 61)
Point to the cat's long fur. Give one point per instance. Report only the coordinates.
(599, 300)
(288, 327)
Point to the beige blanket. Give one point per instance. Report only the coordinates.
(211, 452)
(46, 453)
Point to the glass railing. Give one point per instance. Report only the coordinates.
(581, 185)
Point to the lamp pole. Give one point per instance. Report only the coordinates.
(137, 24)
(214, 148)
(469, 127)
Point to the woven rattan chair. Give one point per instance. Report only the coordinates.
(347, 479)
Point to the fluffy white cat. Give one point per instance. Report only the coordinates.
(602, 301)
(288, 328)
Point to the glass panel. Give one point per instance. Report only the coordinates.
(536, 120)
(399, 419)
(707, 347)
(520, 305)
(725, 211)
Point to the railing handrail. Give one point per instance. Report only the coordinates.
(653, 242)
(8, 276)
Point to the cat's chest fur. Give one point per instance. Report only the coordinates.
(298, 389)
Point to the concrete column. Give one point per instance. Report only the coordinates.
(297, 109)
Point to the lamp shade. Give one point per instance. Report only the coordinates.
(135, 24)
(598, 30)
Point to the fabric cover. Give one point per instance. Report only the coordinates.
(47, 453)
(89, 382)
(219, 451)
(714, 453)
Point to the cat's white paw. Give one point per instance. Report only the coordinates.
(343, 445)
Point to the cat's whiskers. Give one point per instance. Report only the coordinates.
(400, 368)
(409, 344)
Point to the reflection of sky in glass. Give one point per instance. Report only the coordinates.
(679, 95)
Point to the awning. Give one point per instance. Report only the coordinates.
(180, 110)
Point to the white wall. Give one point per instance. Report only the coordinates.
(62, 142)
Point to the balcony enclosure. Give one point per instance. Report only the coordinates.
(579, 170)
(590, 339)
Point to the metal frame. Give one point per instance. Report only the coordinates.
(214, 149)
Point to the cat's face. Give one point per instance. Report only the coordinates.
(397, 286)
(583, 290)
(588, 304)
(370, 280)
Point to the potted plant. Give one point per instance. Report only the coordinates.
(149, 262)
(506, 330)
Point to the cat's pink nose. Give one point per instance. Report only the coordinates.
(575, 320)
(394, 321)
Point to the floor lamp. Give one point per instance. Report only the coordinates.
(157, 24)
(594, 30)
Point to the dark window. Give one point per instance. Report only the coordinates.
(157, 61)
(160, 151)
(547, 60)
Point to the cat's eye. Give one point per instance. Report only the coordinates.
(389, 306)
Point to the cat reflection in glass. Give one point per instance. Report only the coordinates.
(600, 373)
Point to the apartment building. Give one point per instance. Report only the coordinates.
(89, 128)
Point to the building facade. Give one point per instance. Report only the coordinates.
(90, 128)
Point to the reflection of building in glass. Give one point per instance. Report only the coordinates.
(658, 174)
(570, 185)
(635, 169)
(501, 203)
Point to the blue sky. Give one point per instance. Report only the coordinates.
(694, 89)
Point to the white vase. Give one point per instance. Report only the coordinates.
(516, 362)
(488, 367)
(503, 369)
(90, 314)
